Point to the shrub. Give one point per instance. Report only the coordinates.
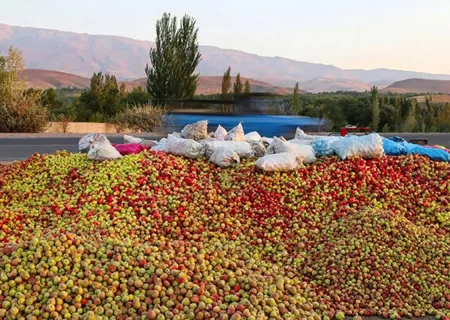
(97, 117)
(20, 109)
(63, 122)
(23, 114)
(143, 118)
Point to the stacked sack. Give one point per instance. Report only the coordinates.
(226, 148)
(222, 147)
(98, 147)
(282, 155)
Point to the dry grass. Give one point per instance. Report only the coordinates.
(436, 98)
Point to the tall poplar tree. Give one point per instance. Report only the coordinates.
(173, 60)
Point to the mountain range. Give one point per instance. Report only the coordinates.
(84, 54)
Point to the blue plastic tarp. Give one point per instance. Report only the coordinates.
(411, 148)
(434, 154)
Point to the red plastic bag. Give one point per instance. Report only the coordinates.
(130, 148)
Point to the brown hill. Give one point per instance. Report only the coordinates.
(329, 84)
(83, 54)
(213, 85)
(419, 86)
(44, 79)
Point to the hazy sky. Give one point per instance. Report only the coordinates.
(400, 34)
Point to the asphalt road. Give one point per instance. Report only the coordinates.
(20, 148)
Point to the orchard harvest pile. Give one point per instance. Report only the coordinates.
(155, 236)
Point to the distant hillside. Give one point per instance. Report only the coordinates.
(83, 54)
(213, 85)
(328, 84)
(44, 79)
(419, 86)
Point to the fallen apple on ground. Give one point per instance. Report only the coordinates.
(154, 236)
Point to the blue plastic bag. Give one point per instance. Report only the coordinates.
(398, 139)
(392, 148)
(323, 147)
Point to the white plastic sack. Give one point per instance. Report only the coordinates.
(266, 141)
(148, 143)
(285, 161)
(88, 141)
(103, 151)
(301, 135)
(161, 147)
(258, 148)
(252, 136)
(367, 147)
(220, 133)
(196, 131)
(207, 139)
(236, 134)
(163, 140)
(307, 142)
(224, 158)
(243, 149)
(277, 146)
(145, 142)
(184, 147)
(302, 152)
(131, 139)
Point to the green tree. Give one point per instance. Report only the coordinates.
(375, 108)
(237, 89)
(410, 121)
(226, 83)
(49, 98)
(102, 99)
(335, 115)
(123, 90)
(443, 120)
(247, 86)
(57, 109)
(296, 100)
(138, 96)
(389, 117)
(386, 128)
(431, 114)
(226, 87)
(173, 60)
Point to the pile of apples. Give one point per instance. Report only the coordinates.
(155, 236)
